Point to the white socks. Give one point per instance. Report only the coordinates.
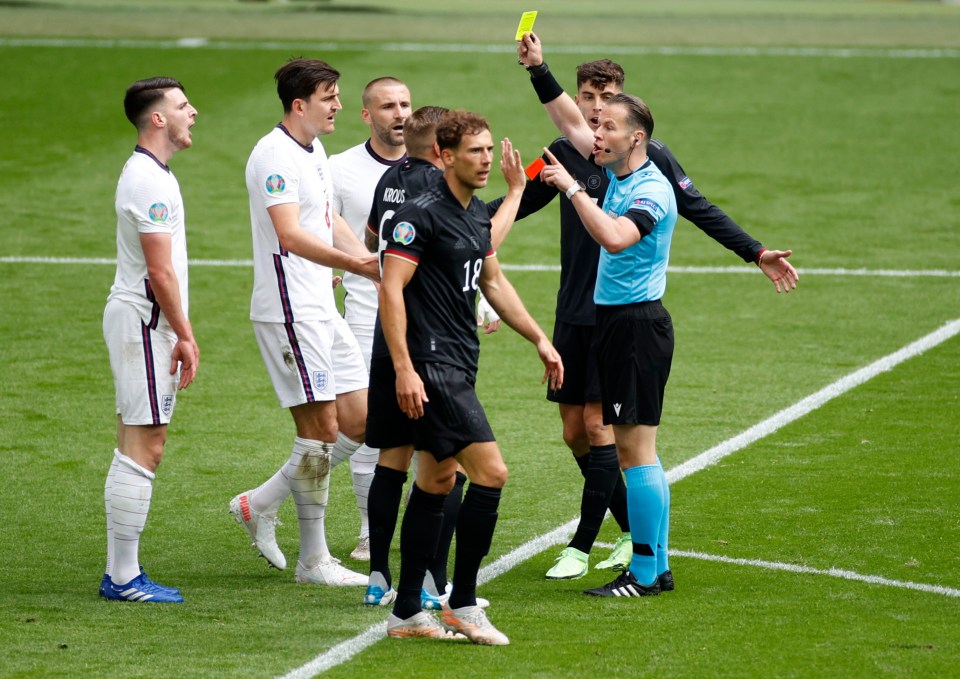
(128, 498)
(107, 490)
(308, 475)
(362, 463)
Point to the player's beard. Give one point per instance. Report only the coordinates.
(386, 135)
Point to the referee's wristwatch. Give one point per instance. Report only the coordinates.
(572, 190)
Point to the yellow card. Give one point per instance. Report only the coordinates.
(526, 24)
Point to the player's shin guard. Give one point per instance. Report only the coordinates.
(451, 512)
(362, 465)
(478, 519)
(308, 473)
(129, 506)
(645, 506)
(419, 534)
(603, 470)
(107, 501)
(384, 508)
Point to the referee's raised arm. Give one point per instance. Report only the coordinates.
(560, 106)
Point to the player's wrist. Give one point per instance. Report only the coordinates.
(573, 190)
(760, 256)
(544, 84)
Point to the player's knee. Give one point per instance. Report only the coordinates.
(576, 438)
(494, 475)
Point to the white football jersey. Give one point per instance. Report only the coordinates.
(147, 201)
(288, 288)
(356, 172)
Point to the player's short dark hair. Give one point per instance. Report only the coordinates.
(600, 73)
(420, 130)
(638, 114)
(144, 94)
(455, 124)
(377, 82)
(299, 78)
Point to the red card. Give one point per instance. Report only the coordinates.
(534, 168)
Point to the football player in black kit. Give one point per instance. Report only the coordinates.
(422, 168)
(584, 433)
(422, 396)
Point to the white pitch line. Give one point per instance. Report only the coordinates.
(805, 570)
(342, 652)
(345, 650)
(481, 48)
(812, 402)
(746, 269)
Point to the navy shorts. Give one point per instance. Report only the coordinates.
(576, 345)
(452, 418)
(634, 352)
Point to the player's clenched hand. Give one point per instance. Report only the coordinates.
(369, 266)
(552, 363)
(530, 50)
(487, 317)
(774, 264)
(555, 174)
(186, 355)
(410, 394)
(511, 166)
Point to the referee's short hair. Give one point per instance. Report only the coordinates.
(143, 95)
(638, 113)
(455, 125)
(600, 73)
(299, 78)
(420, 130)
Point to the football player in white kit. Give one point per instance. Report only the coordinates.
(313, 360)
(146, 327)
(355, 173)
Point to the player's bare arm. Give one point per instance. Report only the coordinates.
(345, 240)
(371, 239)
(507, 303)
(166, 290)
(511, 167)
(293, 238)
(613, 235)
(411, 394)
(562, 109)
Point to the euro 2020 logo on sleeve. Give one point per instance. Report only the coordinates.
(275, 184)
(404, 233)
(158, 212)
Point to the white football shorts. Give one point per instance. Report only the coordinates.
(140, 361)
(311, 361)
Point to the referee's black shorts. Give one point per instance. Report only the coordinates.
(452, 418)
(576, 345)
(634, 352)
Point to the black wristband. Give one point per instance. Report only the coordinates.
(545, 85)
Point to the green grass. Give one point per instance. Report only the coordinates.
(850, 161)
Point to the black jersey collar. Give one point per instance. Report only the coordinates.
(648, 161)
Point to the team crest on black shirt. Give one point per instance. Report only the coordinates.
(593, 181)
(404, 233)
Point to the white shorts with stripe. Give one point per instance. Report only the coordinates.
(140, 356)
(311, 361)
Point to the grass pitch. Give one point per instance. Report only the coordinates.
(847, 156)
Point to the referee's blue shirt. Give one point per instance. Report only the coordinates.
(638, 273)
